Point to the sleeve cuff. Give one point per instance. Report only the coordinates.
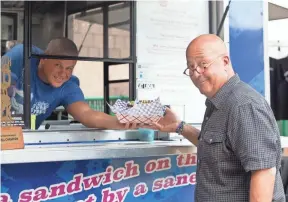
(253, 164)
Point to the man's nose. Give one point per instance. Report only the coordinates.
(62, 73)
(195, 74)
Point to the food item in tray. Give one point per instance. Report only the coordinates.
(130, 104)
(139, 111)
(145, 101)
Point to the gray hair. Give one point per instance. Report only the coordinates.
(62, 46)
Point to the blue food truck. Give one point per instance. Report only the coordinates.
(128, 50)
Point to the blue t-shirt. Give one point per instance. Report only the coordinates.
(44, 97)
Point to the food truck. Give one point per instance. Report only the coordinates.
(64, 161)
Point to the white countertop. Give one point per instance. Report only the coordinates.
(65, 152)
(91, 150)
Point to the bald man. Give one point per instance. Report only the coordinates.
(238, 147)
(53, 85)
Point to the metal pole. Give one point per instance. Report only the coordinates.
(212, 17)
(133, 18)
(106, 55)
(65, 20)
(220, 11)
(63, 57)
(105, 31)
(132, 81)
(132, 66)
(26, 61)
(223, 19)
(106, 86)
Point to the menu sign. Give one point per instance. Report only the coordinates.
(164, 30)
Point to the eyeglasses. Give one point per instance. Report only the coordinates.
(199, 68)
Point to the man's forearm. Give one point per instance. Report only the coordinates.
(191, 133)
(262, 185)
(95, 119)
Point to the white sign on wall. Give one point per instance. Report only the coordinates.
(164, 30)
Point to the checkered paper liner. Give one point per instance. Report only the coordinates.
(146, 113)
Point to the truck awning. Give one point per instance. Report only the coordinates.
(277, 11)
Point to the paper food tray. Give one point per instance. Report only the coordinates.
(139, 112)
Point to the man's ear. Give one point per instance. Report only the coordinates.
(226, 61)
(41, 62)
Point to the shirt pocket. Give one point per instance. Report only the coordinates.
(213, 146)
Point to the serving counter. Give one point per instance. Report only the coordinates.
(89, 165)
(82, 164)
(79, 144)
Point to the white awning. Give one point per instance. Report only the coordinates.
(278, 9)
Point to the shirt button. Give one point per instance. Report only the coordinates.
(198, 161)
(207, 118)
(200, 139)
(210, 140)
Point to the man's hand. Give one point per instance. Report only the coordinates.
(130, 126)
(168, 123)
(82, 112)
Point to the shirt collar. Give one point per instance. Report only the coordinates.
(224, 92)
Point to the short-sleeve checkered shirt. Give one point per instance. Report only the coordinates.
(239, 134)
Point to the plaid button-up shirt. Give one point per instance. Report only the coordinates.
(239, 134)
